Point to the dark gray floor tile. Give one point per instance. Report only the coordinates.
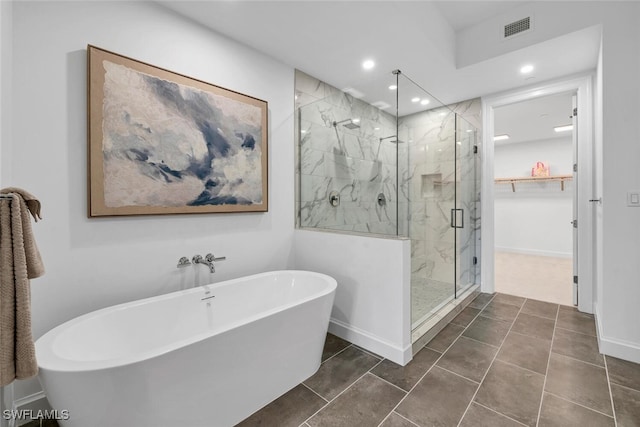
(466, 316)
(534, 326)
(627, 404)
(579, 346)
(512, 391)
(557, 412)
(407, 376)
(509, 299)
(525, 351)
(577, 322)
(468, 358)
(290, 409)
(439, 399)
(568, 308)
(396, 420)
(479, 416)
(339, 372)
(481, 301)
(333, 345)
(579, 382)
(445, 337)
(487, 330)
(624, 373)
(366, 403)
(540, 308)
(501, 311)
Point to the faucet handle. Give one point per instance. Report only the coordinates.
(196, 259)
(212, 258)
(184, 262)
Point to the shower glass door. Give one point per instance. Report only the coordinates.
(438, 176)
(465, 205)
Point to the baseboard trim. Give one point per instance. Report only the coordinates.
(614, 347)
(27, 400)
(534, 252)
(370, 342)
(34, 402)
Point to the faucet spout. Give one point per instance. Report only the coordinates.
(197, 259)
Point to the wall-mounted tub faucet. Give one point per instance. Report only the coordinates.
(184, 262)
(208, 260)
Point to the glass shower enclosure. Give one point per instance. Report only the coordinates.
(402, 167)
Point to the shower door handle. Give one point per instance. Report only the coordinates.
(454, 218)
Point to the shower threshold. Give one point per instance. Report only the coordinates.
(435, 321)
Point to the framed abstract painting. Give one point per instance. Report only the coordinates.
(163, 143)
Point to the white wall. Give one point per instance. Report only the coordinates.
(619, 97)
(6, 14)
(6, 37)
(93, 263)
(535, 218)
(617, 311)
(372, 306)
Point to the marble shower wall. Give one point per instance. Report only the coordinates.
(431, 183)
(359, 166)
(355, 163)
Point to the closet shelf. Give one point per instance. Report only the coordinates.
(512, 181)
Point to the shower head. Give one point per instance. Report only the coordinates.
(393, 141)
(348, 123)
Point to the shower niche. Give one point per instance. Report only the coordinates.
(431, 185)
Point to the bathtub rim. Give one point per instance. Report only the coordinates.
(48, 360)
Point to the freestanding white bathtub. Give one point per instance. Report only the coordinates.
(208, 356)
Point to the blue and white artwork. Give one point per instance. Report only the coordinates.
(169, 145)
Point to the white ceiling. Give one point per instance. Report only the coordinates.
(534, 120)
(464, 14)
(330, 39)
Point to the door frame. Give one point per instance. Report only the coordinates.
(582, 85)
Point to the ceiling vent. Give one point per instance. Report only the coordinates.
(517, 27)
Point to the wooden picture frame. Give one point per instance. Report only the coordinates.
(160, 142)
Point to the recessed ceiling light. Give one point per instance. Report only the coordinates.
(376, 128)
(393, 87)
(303, 131)
(381, 105)
(353, 92)
(526, 69)
(355, 120)
(424, 102)
(416, 99)
(501, 137)
(563, 128)
(368, 64)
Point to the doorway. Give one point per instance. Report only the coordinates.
(534, 198)
(582, 86)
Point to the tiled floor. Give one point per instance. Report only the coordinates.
(503, 361)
